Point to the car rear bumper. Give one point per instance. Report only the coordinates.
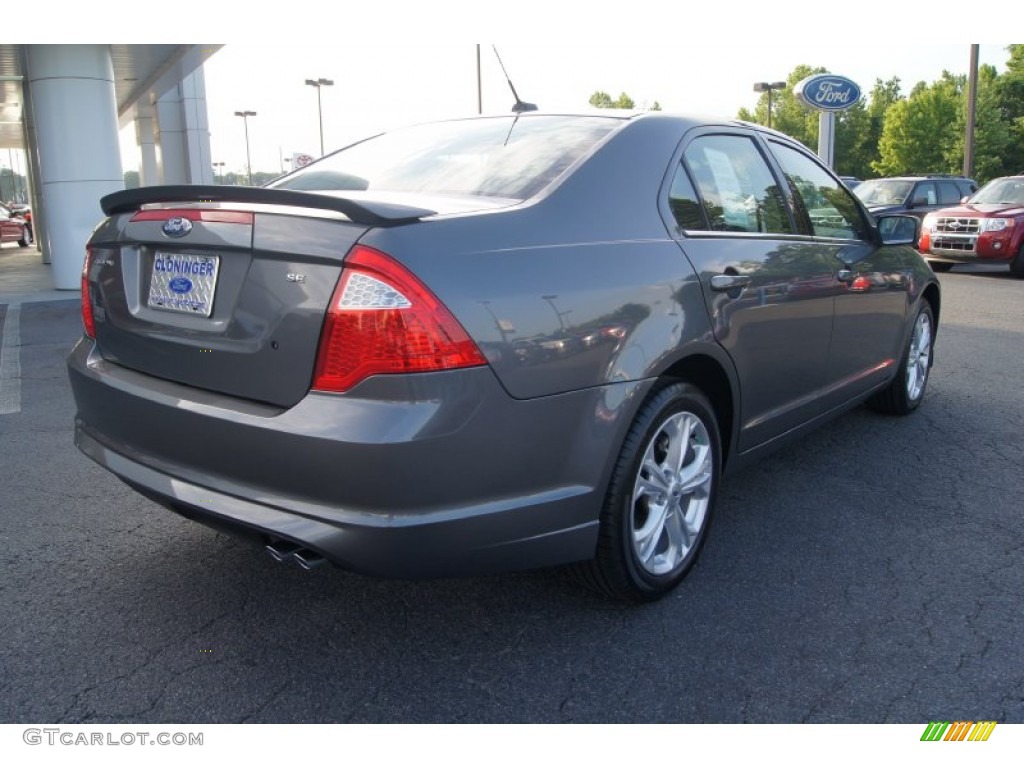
(432, 475)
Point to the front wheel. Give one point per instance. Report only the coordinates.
(660, 499)
(1017, 265)
(906, 391)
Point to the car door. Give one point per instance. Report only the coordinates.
(768, 288)
(871, 289)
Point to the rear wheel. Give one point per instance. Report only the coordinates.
(906, 391)
(660, 498)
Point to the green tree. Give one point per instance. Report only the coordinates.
(995, 141)
(857, 137)
(853, 154)
(1009, 88)
(789, 114)
(919, 131)
(602, 100)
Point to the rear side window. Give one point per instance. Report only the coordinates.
(682, 199)
(503, 157)
(829, 206)
(949, 193)
(736, 191)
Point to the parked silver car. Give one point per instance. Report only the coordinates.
(493, 343)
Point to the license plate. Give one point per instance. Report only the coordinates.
(184, 282)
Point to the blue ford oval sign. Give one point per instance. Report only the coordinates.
(830, 93)
(177, 226)
(180, 285)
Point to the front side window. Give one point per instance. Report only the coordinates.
(510, 157)
(827, 203)
(737, 191)
(925, 194)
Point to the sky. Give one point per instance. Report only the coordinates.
(380, 87)
(398, 62)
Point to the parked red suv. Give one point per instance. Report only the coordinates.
(14, 228)
(987, 227)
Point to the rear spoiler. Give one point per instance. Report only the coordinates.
(369, 212)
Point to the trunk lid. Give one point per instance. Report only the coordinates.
(223, 288)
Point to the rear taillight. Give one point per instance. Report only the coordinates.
(87, 319)
(382, 319)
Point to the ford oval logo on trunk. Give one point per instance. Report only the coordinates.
(177, 226)
(831, 93)
(180, 285)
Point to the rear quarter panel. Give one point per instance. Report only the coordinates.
(579, 287)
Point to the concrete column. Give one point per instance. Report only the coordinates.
(183, 131)
(170, 134)
(144, 135)
(75, 118)
(197, 128)
(35, 183)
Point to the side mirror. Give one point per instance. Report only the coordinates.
(896, 229)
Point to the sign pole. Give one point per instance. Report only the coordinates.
(827, 138)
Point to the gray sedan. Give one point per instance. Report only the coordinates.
(493, 343)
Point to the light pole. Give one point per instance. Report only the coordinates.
(318, 84)
(550, 299)
(216, 176)
(245, 119)
(769, 87)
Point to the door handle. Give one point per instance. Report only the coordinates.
(729, 282)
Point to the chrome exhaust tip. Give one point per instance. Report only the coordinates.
(282, 551)
(308, 559)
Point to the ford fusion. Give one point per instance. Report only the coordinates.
(493, 344)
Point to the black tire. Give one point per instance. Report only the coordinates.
(633, 570)
(906, 391)
(26, 238)
(940, 266)
(1017, 265)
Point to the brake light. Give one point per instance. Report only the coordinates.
(88, 322)
(382, 320)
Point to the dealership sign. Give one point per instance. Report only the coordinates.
(829, 93)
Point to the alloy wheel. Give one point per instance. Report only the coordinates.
(671, 493)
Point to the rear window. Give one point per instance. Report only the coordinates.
(502, 157)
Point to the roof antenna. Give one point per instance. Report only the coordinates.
(520, 105)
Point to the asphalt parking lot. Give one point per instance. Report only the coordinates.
(871, 573)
